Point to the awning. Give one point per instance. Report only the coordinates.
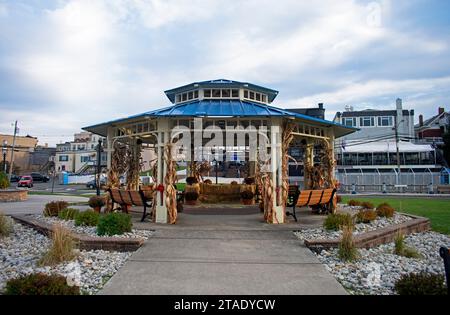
(385, 146)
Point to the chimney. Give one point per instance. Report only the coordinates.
(399, 103)
(320, 105)
(421, 120)
(441, 110)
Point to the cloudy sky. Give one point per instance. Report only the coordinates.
(69, 64)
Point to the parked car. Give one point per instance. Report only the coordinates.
(25, 181)
(93, 183)
(14, 178)
(37, 177)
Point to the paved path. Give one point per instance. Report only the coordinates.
(210, 260)
(36, 203)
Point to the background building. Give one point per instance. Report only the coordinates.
(23, 149)
(368, 157)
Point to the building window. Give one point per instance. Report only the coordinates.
(207, 93)
(84, 159)
(234, 93)
(367, 122)
(245, 94)
(216, 93)
(225, 93)
(349, 121)
(385, 121)
(63, 158)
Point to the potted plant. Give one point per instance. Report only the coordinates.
(247, 197)
(96, 203)
(191, 198)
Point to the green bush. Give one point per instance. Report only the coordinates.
(115, 223)
(334, 222)
(68, 214)
(421, 284)
(366, 216)
(40, 284)
(53, 208)
(87, 218)
(6, 226)
(385, 210)
(4, 181)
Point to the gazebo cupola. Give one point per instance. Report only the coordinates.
(221, 90)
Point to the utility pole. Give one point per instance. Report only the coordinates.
(12, 151)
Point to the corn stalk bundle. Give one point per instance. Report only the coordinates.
(169, 180)
(287, 138)
(268, 197)
(328, 163)
(134, 166)
(118, 165)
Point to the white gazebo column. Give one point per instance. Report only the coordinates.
(276, 169)
(161, 210)
(109, 149)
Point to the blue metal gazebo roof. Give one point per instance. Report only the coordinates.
(221, 108)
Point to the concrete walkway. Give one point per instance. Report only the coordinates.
(36, 203)
(215, 255)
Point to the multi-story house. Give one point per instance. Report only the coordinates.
(432, 129)
(23, 149)
(369, 156)
(80, 155)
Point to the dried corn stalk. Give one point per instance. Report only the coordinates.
(169, 180)
(118, 164)
(134, 165)
(287, 138)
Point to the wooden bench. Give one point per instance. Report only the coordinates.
(443, 189)
(322, 199)
(127, 198)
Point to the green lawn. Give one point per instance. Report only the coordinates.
(437, 210)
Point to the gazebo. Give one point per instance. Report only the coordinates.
(217, 120)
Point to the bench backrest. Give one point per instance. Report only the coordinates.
(315, 197)
(128, 197)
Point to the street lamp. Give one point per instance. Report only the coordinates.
(4, 151)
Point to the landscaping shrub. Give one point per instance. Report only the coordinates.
(191, 196)
(68, 214)
(191, 180)
(4, 181)
(40, 284)
(421, 284)
(53, 208)
(87, 218)
(6, 226)
(247, 194)
(354, 203)
(96, 202)
(115, 223)
(62, 248)
(234, 183)
(401, 249)
(366, 216)
(385, 210)
(207, 181)
(367, 205)
(336, 221)
(347, 250)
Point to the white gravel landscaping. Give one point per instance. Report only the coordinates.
(377, 269)
(321, 233)
(91, 230)
(21, 251)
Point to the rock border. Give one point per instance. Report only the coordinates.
(374, 238)
(84, 241)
